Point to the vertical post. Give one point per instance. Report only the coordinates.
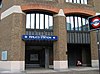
(98, 42)
(46, 58)
(60, 46)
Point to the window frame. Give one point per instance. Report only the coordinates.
(37, 21)
(79, 22)
(1, 4)
(78, 1)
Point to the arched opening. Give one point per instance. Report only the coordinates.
(39, 50)
(78, 40)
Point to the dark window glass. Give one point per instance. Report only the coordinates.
(0, 3)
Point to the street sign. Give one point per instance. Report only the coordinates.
(39, 37)
(94, 22)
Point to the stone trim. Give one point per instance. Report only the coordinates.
(12, 65)
(60, 65)
(95, 63)
(13, 9)
(61, 13)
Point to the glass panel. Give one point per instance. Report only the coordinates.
(82, 1)
(50, 22)
(37, 21)
(75, 1)
(32, 21)
(83, 25)
(68, 23)
(67, 1)
(78, 1)
(41, 21)
(76, 23)
(70, 1)
(28, 21)
(85, 1)
(46, 22)
(0, 3)
(79, 22)
(72, 23)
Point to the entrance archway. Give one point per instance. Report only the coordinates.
(38, 54)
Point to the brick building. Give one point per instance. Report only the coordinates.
(47, 33)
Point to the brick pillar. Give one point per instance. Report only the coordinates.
(94, 49)
(60, 46)
(12, 27)
(18, 45)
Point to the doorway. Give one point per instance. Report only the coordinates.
(38, 54)
(79, 52)
(34, 57)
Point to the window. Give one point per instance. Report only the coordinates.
(0, 3)
(77, 23)
(39, 21)
(77, 1)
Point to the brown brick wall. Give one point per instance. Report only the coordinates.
(94, 47)
(18, 29)
(7, 4)
(5, 35)
(10, 36)
(40, 7)
(60, 46)
(97, 5)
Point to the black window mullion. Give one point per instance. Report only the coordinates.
(74, 21)
(72, 1)
(86, 25)
(35, 21)
(30, 24)
(39, 21)
(76, 1)
(44, 24)
(35, 24)
(81, 24)
(80, 1)
(44, 21)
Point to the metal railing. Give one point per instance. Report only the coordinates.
(39, 32)
(82, 37)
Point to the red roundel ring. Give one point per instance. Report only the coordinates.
(96, 25)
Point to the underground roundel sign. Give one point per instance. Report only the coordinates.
(94, 22)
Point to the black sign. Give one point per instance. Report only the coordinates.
(94, 22)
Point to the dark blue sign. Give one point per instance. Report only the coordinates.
(39, 37)
(94, 22)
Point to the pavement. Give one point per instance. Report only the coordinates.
(77, 70)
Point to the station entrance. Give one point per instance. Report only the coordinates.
(38, 54)
(79, 52)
